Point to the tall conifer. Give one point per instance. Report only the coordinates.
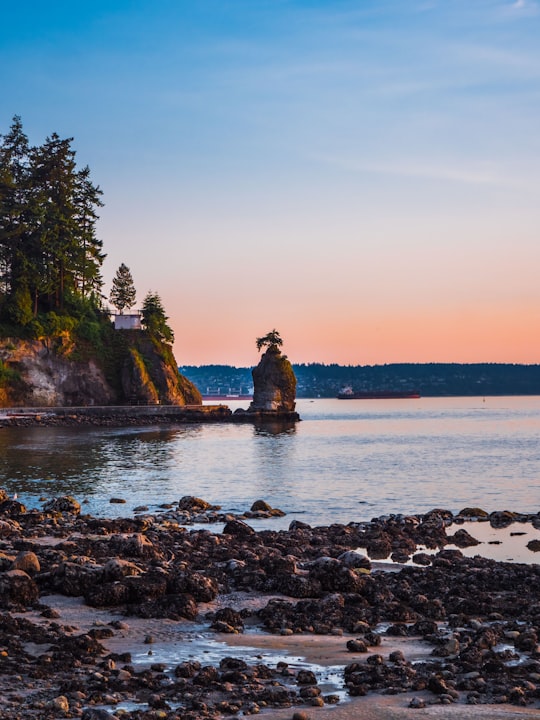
(123, 289)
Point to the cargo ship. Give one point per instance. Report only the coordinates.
(349, 394)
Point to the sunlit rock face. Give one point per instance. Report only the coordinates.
(274, 383)
(137, 370)
(150, 374)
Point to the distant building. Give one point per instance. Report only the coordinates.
(127, 322)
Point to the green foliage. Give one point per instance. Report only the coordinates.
(123, 290)
(55, 325)
(155, 320)
(90, 331)
(48, 244)
(18, 306)
(7, 375)
(270, 340)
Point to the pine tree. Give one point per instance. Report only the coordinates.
(154, 318)
(90, 255)
(123, 289)
(14, 220)
(270, 340)
(53, 186)
(48, 245)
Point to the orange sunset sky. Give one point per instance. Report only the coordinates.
(362, 176)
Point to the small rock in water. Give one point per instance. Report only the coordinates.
(260, 505)
(118, 501)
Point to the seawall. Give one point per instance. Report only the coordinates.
(125, 415)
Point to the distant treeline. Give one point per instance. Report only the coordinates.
(429, 379)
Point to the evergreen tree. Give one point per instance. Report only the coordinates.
(271, 339)
(154, 318)
(53, 185)
(90, 255)
(14, 215)
(48, 245)
(123, 289)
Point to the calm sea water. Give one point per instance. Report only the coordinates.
(347, 460)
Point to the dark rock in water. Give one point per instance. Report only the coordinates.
(195, 504)
(298, 525)
(473, 512)
(228, 617)
(463, 539)
(352, 559)
(65, 504)
(187, 669)
(502, 518)
(238, 528)
(306, 677)
(12, 508)
(274, 383)
(95, 714)
(534, 545)
(357, 646)
(260, 505)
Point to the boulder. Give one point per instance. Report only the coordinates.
(65, 504)
(17, 589)
(27, 561)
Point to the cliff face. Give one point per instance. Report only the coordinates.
(140, 372)
(274, 383)
(40, 377)
(149, 374)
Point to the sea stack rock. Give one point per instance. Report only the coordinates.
(274, 383)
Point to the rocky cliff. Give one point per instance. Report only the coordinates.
(274, 383)
(134, 369)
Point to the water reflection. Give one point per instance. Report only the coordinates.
(275, 428)
(342, 463)
(57, 461)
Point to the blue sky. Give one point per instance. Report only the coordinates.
(362, 176)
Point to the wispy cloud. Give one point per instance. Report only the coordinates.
(481, 174)
(523, 8)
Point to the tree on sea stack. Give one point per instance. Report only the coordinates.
(154, 318)
(123, 289)
(274, 381)
(273, 338)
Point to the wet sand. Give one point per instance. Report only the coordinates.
(172, 638)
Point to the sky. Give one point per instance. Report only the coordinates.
(362, 176)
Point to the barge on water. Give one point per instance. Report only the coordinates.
(350, 394)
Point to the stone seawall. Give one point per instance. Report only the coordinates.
(125, 415)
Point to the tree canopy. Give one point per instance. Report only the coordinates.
(123, 290)
(271, 339)
(154, 318)
(50, 255)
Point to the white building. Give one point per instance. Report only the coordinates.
(127, 322)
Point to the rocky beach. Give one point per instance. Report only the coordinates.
(160, 616)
